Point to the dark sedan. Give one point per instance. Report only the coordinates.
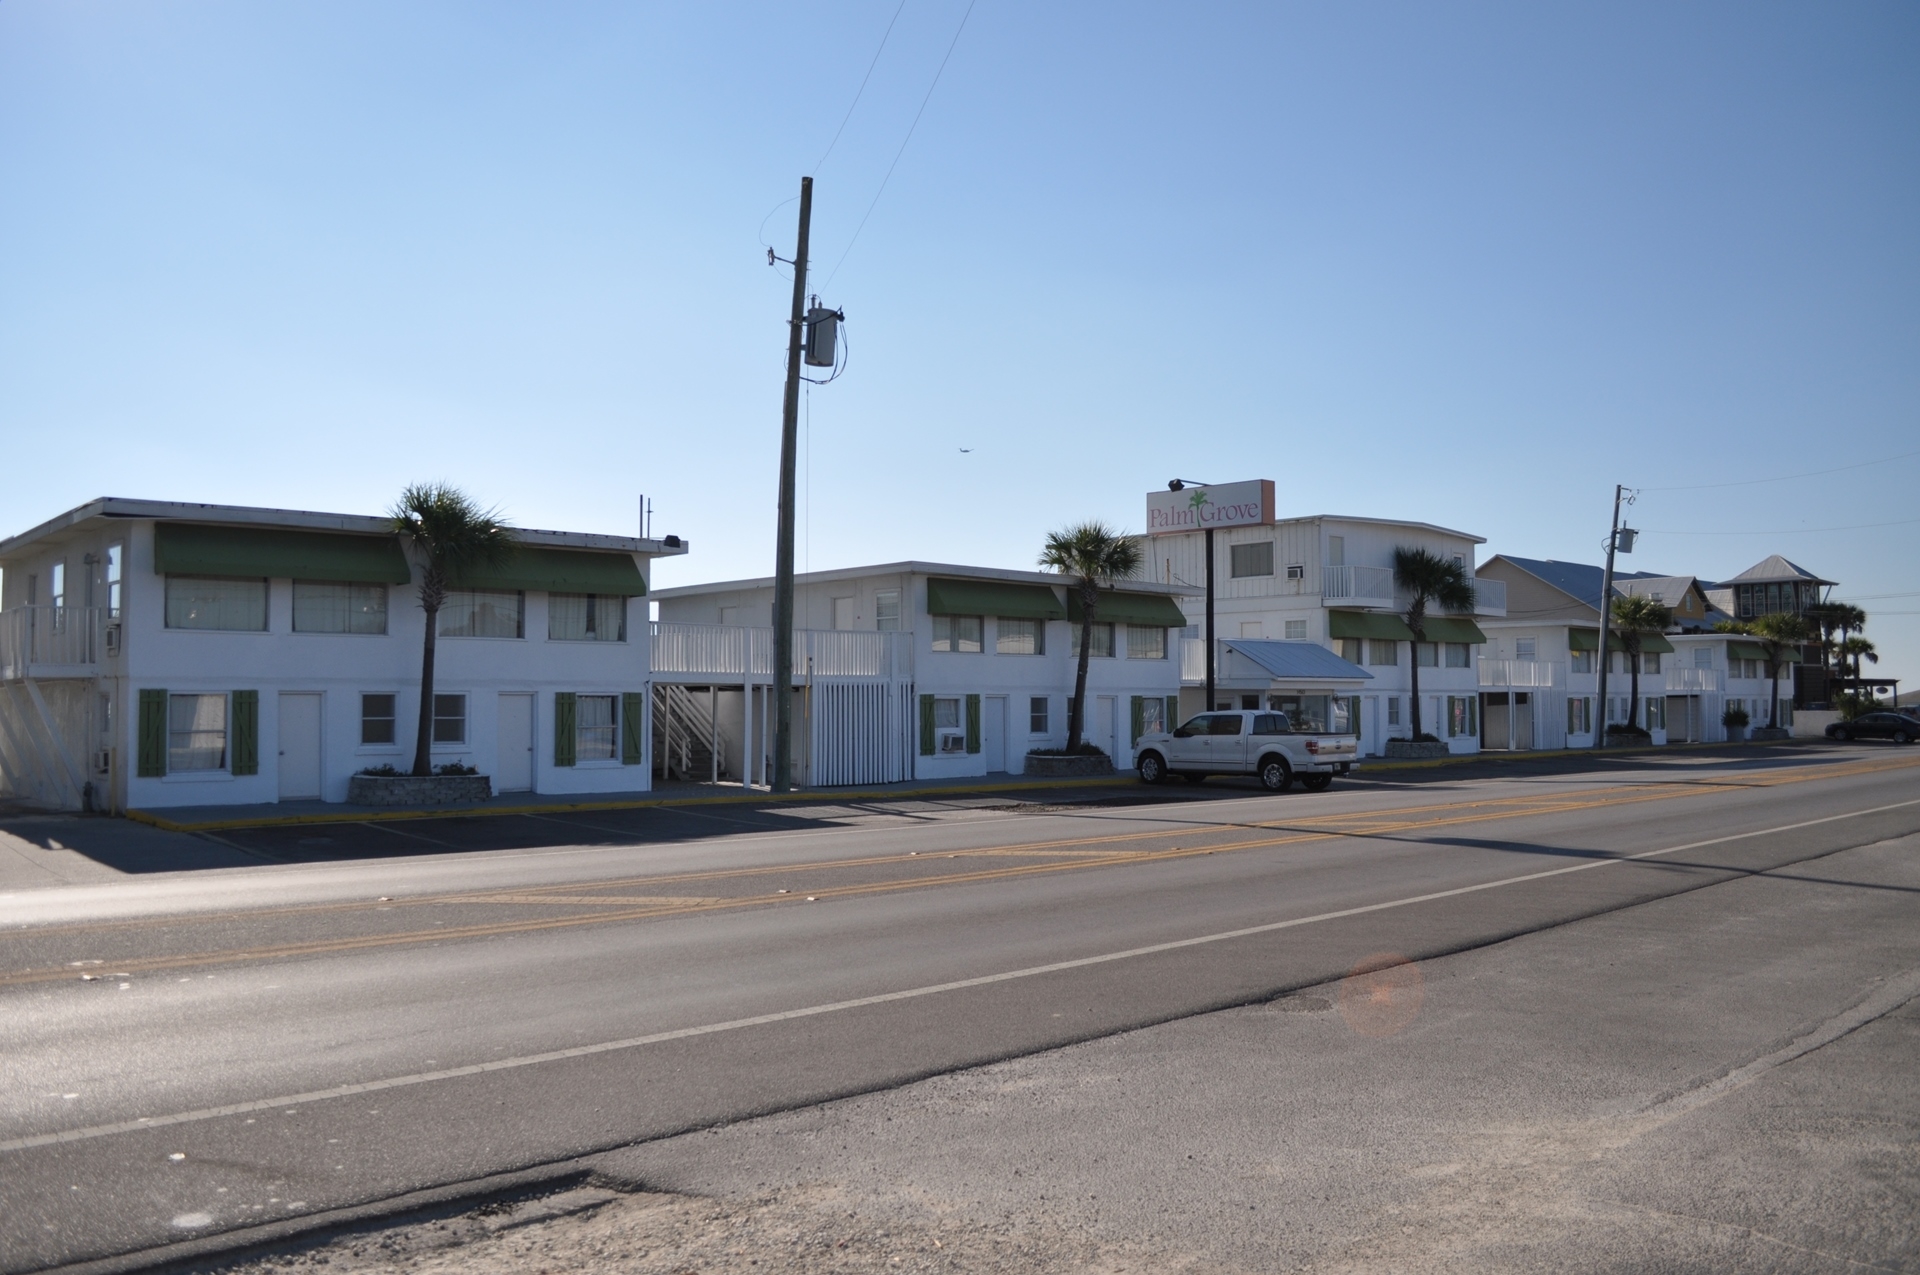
(1898, 727)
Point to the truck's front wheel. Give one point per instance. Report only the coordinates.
(1275, 775)
(1152, 769)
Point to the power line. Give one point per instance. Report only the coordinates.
(903, 144)
(1787, 478)
(1781, 531)
(861, 90)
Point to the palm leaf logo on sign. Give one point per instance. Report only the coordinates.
(1197, 502)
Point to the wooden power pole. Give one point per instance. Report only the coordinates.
(781, 679)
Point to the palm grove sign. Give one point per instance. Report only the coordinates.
(1248, 504)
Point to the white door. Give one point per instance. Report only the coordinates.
(299, 747)
(995, 727)
(513, 771)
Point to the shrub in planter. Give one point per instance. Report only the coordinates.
(1734, 716)
(384, 770)
(455, 768)
(1085, 750)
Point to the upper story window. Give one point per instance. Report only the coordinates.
(57, 584)
(1459, 655)
(1383, 651)
(217, 602)
(586, 617)
(1580, 661)
(886, 610)
(484, 613)
(957, 633)
(116, 555)
(1426, 654)
(1019, 637)
(1146, 642)
(1524, 648)
(1251, 560)
(1703, 657)
(324, 606)
(1295, 630)
(1336, 551)
(1102, 640)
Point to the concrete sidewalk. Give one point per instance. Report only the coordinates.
(292, 813)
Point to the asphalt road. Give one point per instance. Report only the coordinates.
(283, 1041)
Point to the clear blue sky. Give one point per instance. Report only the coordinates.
(1471, 264)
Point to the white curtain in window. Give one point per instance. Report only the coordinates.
(594, 724)
(476, 613)
(196, 732)
(586, 617)
(202, 602)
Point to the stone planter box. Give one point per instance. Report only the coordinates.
(1080, 766)
(1409, 750)
(417, 790)
(1736, 734)
(1769, 732)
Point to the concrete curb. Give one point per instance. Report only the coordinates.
(165, 824)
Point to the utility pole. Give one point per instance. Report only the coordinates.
(781, 684)
(1606, 616)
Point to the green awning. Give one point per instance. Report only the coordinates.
(194, 549)
(993, 597)
(1589, 640)
(1746, 651)
(1452, 628)
(558, 571)
(1368, 624)
(1152, 609)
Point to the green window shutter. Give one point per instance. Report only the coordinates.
(973, 723)
(244, 743)
(926, 725)
(563, 733)
(633, 722)
(1139, 716)
(153, 734)
(1173, 713)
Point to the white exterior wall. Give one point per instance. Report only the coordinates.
(340, 667)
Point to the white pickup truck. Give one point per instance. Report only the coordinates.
(1255, 742)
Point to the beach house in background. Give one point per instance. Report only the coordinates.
(157, 654)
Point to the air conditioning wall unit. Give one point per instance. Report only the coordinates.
(113, 639)
(953, 743)
(103, 761)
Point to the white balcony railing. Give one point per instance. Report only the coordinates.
(1522, 674)
(1682, 680)
(1353, 583)
(729, 651)
(47, 635)
(1489, 597)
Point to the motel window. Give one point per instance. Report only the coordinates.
(1102, 640)
(946, 712)
(1459, 655)
(376, 719)
(1382, 651)
(1655, 712)
(1580, 661)
(323, 606)
(1703, 657)
(1426, 654)
(594, 727)
(206, 602)
(1336, 551)
(886, 610)
(1295, 630)
(1019, 637)
(1579, 716)
(1650, 662)
(1524, 648)
(1350, 649)
(116, 555)
(57, 582)
(1153, 715)
(1463, 716)
(1146, 642)
(484, 613)
(196, 733)
(586, 617)
(1393, 710)
(449, 719)
(956, 633)
(1037, 715)
(1251, 560)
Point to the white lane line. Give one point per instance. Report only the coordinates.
(883, 998)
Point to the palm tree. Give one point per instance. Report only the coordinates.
(1777, 634)
(1635, 616)
(449, 533)
(1856, 647)
(1098, 555)
(1427, 578)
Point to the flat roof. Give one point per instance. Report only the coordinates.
(913, 567)
(247, 515)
